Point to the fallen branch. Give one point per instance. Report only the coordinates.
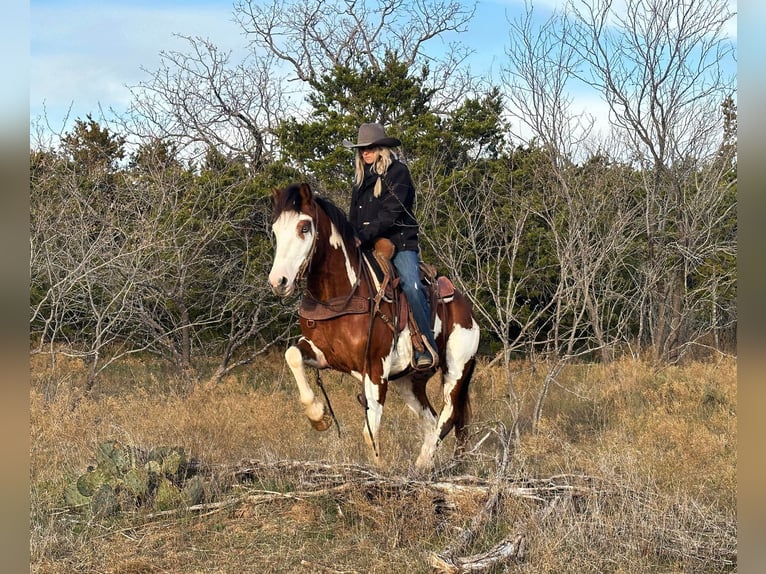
(511, 548)
(321, 568)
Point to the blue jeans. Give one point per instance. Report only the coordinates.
(406, 263)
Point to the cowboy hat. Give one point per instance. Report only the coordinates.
(372, 135)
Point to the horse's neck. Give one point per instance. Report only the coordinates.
(334, 272)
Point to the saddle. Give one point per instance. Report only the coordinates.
(439, 289)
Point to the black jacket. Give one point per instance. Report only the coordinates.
(389, 215)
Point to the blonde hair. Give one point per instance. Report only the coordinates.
(380, 166)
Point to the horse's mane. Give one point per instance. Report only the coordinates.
(338, 218)
(290, 198)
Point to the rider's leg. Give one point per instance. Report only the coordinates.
(406, 263)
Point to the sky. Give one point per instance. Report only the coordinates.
(85, 53)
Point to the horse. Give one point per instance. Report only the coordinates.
(345, 326)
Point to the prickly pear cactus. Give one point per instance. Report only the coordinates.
(125, 477)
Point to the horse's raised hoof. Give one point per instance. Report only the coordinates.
(322, 424)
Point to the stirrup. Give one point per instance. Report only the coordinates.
(427, 359)
(425, 362)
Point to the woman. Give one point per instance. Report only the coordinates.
(381, 206)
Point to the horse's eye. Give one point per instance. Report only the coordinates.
(305, 228)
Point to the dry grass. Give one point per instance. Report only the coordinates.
(657, 449)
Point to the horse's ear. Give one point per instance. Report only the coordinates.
(307, 197)
(275, 192)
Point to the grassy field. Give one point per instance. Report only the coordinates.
(632, 469)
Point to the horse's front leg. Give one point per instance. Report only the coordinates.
(375, 388)
(314, 408)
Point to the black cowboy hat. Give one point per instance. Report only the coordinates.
(372, 134)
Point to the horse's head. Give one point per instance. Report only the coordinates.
(295, 232)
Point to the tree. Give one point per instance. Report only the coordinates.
(317, 36)
(79, 303)
(342, 100)
(199, 100)
(202, 290)
(398, 97)
(660, 67)
(92, 147)
(172, 261)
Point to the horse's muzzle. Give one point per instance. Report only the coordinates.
(281, 287)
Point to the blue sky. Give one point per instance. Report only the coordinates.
(83, 53)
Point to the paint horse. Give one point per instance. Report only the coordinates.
(350, 330)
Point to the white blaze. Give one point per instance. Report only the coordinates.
(291, 250)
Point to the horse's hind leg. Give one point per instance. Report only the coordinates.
(454, 414)
(314, 409)
(412, 390)
(461, 349)
(461, 407)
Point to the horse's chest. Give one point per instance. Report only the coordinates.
(344, 347)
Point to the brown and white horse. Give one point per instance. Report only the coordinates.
(352, 334)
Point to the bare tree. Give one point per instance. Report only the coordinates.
(538, 78)
(151, 258)
(582, 212)
(82, 264)
(313, 37)
(660, 66)
(202, 289)
(483, 225)
(200, 99)
(590, 200)
(589, 209)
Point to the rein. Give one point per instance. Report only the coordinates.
(327, 399)
(373, 311)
